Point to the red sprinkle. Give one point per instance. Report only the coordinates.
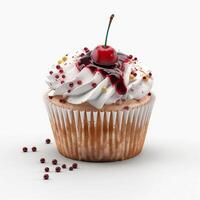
(58, 67)
(63, 76)
(48, 141)
(51, 72)
(130, 57)
(135, 58)
(86, 49)
(149, 94)
(46, 169)
(79, 82)
(71, 84)
(50, 97)
(69, 91)
(57, 76)
(134, 74)
(46, 176)
(150, 74)
(57, 169)
(144, 77)
(71, 168)
(75, 165)
(24, 149)
(94, 85)
(42, 160)
(54, 162)
(61, 71)
(34, 149)
(62, 82)
(64, 166)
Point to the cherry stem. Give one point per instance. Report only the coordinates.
(111, 18)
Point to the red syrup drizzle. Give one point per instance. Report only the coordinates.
(114, 72)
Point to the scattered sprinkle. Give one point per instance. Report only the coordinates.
(48, 141)
(69, 91)
(64, 58)
(71, 84)
(149, 94)
(62, 82)
(94, 85)
(103, 89)
(79, 82)
(54, 162)
(51, 72)
(46, 176)
(61, 71)
(50, 97)
(63, 76)
(64, 166)
(34, 149)
(75, 165)
(42, 160)
(144, 78)
(130, 57)
(150, 74)
(60, 61)
(57, 76)
(58, 67)
(71, 168)
(46, 169)
(24, 149)
(57, 169)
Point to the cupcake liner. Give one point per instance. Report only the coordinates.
(99, 135)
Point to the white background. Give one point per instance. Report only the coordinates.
(164, 35)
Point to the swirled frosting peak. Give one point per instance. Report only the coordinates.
(78, 79)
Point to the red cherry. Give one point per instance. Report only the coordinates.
(104, 55)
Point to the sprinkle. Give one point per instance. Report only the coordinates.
(64, 166)
(54, 162)
(58, 67)
(75, 165)
(64, 58)
(46, 176)
(126, 107)
(130, 57)
(50, 97)
(69, 91)
(103, 89)
(46, 169)
(48, 141)
(71, 168)
(57, 76)
(60, 61)
(79, 82)
(94, 85)
(135, 74)
(58, 169)
(135, 58)
(150, 74)
(42, 160)
(63, 76)
(24, 149)
(86, 49)
(51, 72)
(71, 84)
(61, 71)
(131, 77)
(62, 100)
(62, 82)
(149, 94)
(34, 149)
(144, 78)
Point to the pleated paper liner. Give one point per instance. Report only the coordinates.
(99, 135)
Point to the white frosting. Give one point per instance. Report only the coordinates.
(104, 92)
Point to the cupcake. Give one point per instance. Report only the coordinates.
(99, 104)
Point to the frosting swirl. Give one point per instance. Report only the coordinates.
(79, 80)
